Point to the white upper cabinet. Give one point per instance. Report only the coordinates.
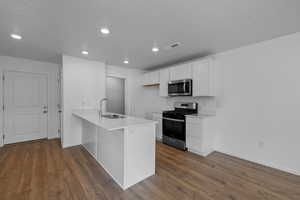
(164, 77)
(183, 71)
(202, 72)
(151, 78)
(203, 78)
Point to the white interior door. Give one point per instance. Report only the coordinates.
(25, 106)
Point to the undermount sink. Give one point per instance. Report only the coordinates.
(112, 116)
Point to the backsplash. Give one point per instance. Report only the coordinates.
(205, 104)
(155, 103)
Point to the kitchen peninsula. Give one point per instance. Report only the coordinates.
(123, 145)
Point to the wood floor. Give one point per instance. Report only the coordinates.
(42, 170)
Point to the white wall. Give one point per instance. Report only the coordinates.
(25, 65)
(259, 103)
(83, 85)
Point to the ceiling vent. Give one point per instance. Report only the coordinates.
(172, 46)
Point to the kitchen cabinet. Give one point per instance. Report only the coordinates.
(89, 141)
(151, 78)
(158, 117)
(203, 78)
(200, 133)
(202, 73)
(179, 72)
(164, 77)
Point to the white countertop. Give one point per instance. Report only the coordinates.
(201, 115)
(92, 116)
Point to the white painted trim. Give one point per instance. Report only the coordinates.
(144, 178)
(126, 89)
(53, 137)
(205, 153)
(48, 99)
(107, 171)
(94, 156)
(264, 163)
(25, 65)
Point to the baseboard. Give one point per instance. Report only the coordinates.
(113, 178)
(69, 145)
(53, 137)
(94, 156)
(264, 163)
(144, 178)
(200, 153)
(107, 171)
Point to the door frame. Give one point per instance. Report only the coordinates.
(3, 97)
(125, 90)
(126, 101)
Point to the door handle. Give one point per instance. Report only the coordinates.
(45, 111)
(175, 120)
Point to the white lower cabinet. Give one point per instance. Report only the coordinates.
(89, 141)
(200, 133)
(158, 117)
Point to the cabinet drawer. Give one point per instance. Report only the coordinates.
(194, 120)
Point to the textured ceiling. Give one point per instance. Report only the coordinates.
(54, 27)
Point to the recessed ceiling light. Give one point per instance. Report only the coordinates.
(126, 61)
(105, 31)
(16, 37)
(85, 52)
(155, 49)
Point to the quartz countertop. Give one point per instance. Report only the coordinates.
(201, 115)
(92, 116)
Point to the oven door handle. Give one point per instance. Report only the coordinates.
(175, 120)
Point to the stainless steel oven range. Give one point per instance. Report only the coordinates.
(174, 124)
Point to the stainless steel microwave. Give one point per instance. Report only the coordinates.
(180, 88)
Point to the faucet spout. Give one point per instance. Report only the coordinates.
(101, 106)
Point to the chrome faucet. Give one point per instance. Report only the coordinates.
(100, 104)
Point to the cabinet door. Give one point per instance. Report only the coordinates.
(179, 72)
(164, 77)
(154, 77)
(200, 133)
(159, 129)
(151, 78)
(146, 79)
(203, 78)
(194, 134)
(158, 117)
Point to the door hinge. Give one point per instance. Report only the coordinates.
(3, 107)
(3, 136)
(3, 77)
